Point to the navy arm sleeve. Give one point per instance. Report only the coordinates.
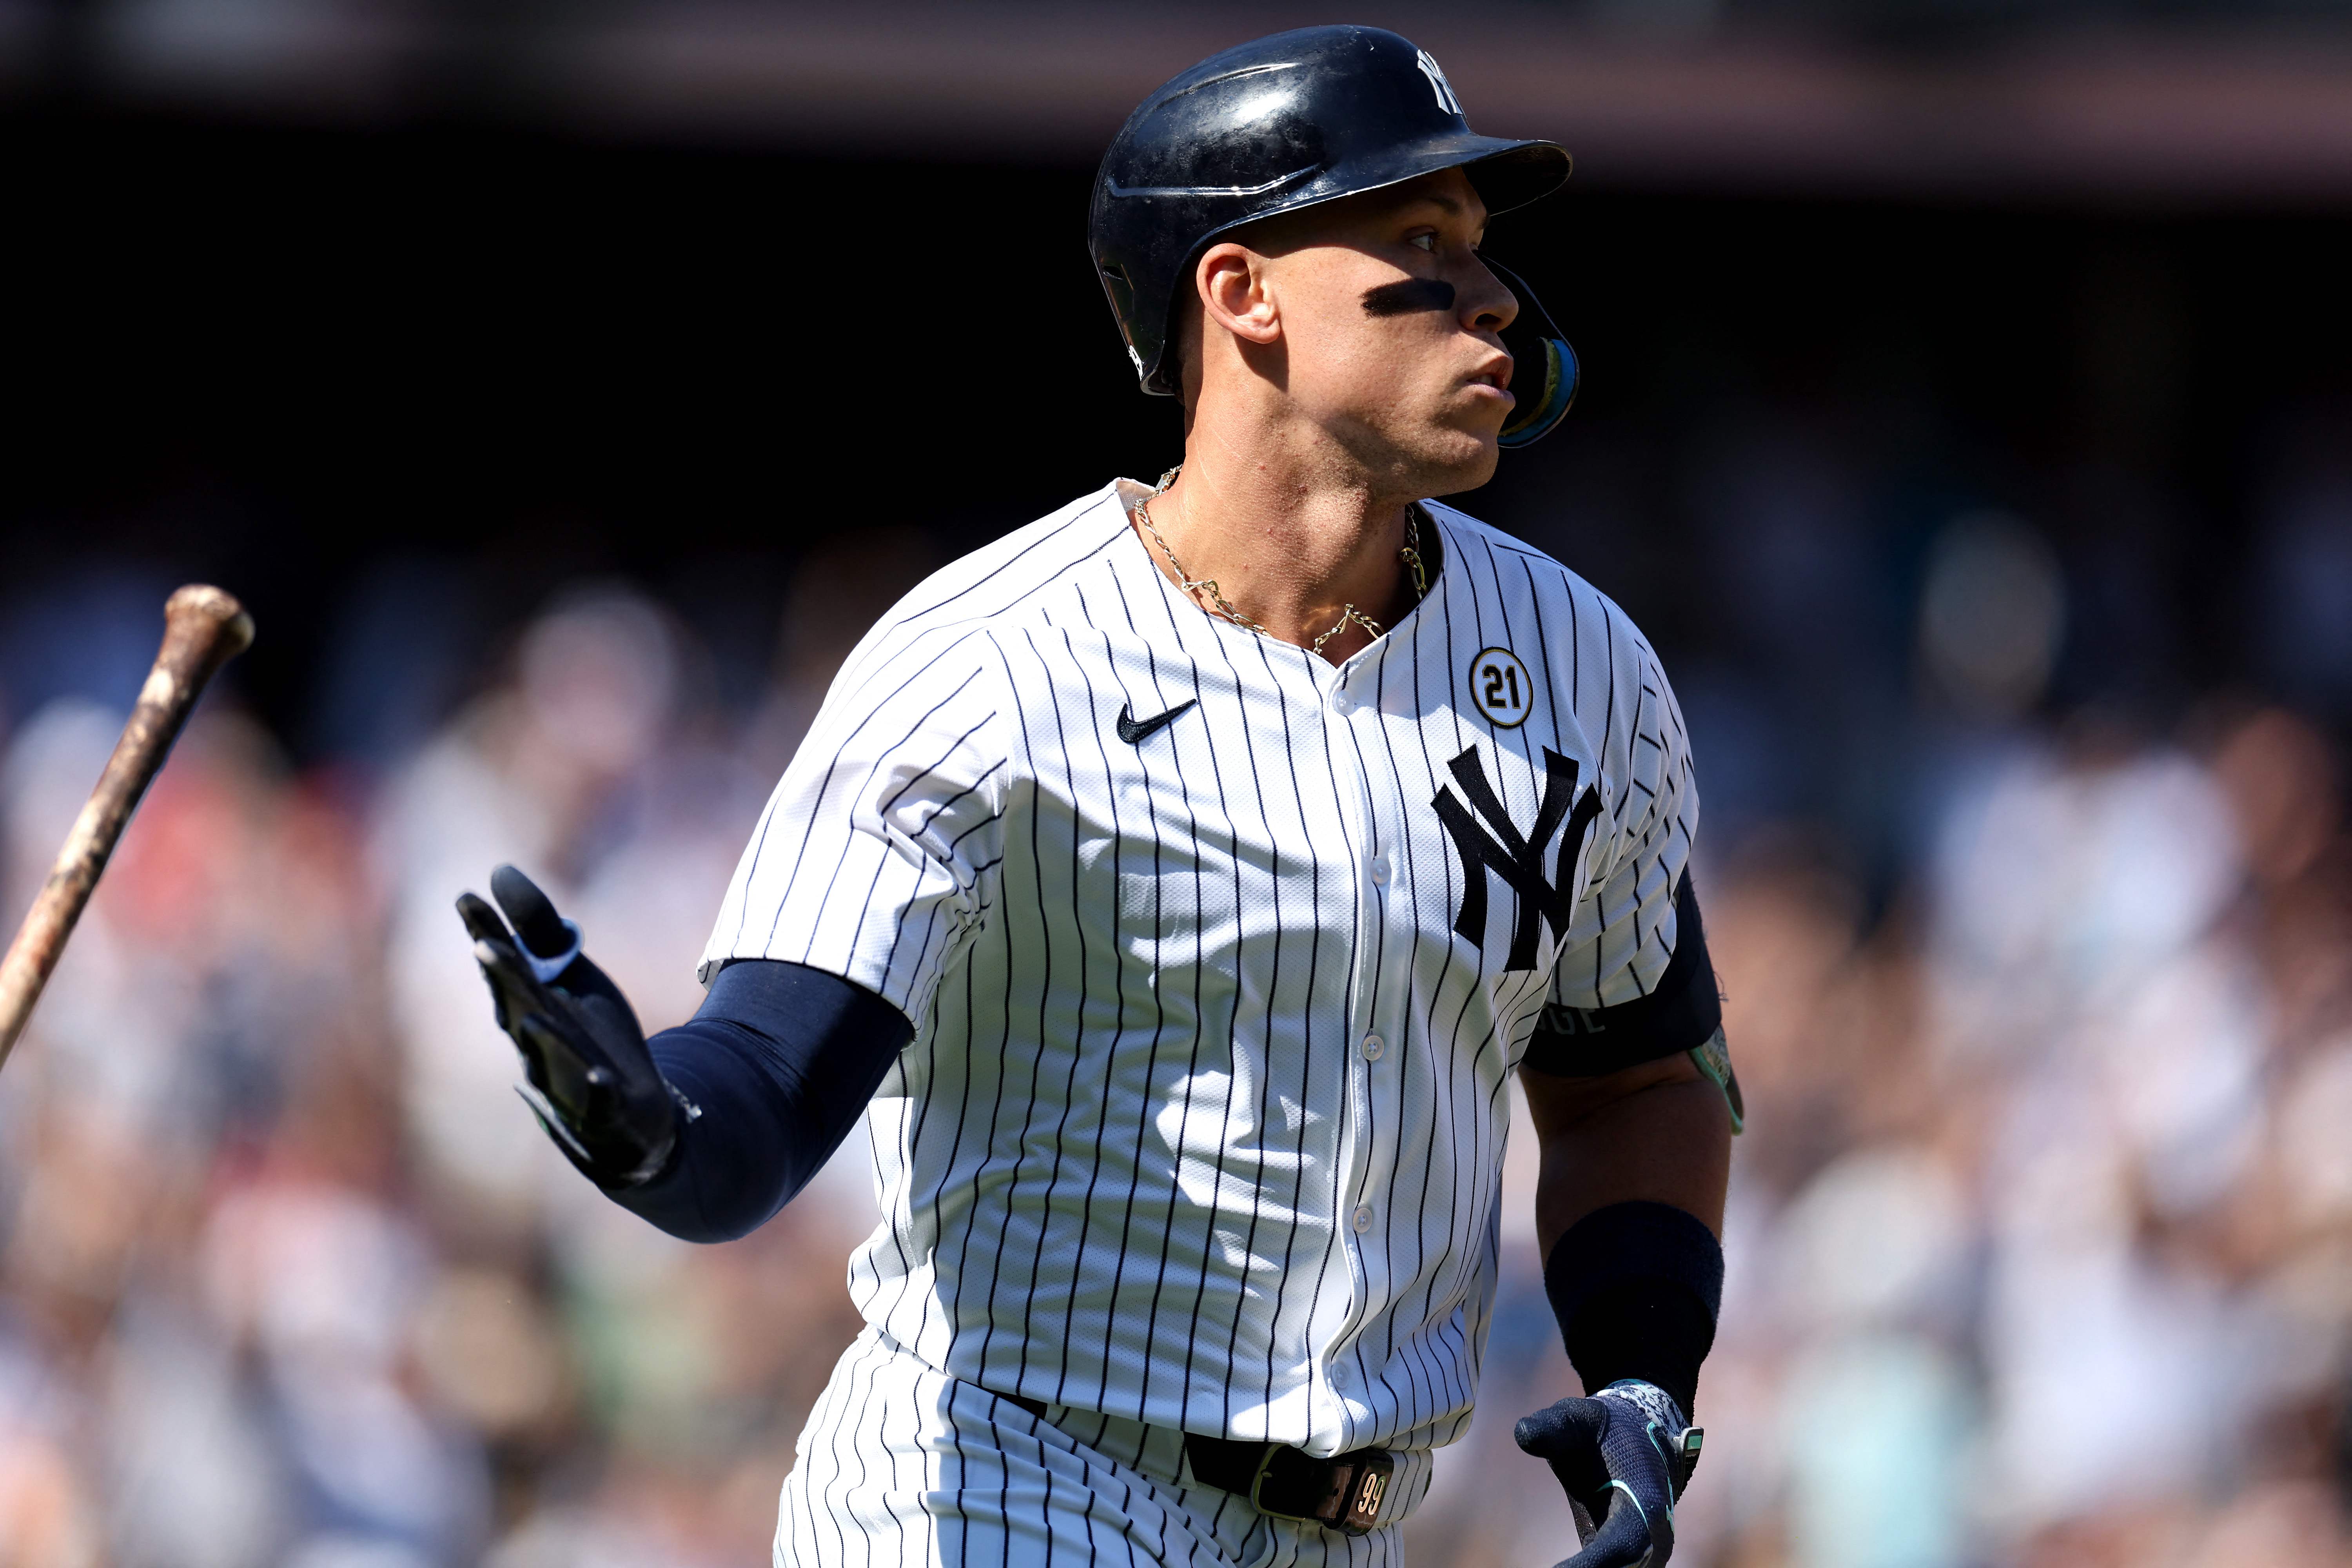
(780, 1060)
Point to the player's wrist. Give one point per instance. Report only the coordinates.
(1665, 1423)
(1653, 1402)
(1635, 1287)
(642, 1153)
(620, 1140)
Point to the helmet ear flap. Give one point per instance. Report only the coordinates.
(1545, 371)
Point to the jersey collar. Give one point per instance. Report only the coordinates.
(1436, 552)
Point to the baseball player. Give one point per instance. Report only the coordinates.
(1175, 884)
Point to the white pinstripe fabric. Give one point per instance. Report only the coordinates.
(904, 1466)
(1139, 1158)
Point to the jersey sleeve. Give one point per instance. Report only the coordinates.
(877, 857)
(1632, 982)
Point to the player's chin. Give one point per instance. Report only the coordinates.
(1463, 452)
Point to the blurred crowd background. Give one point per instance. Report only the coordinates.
(1968, 420)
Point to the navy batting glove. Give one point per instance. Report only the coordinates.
(591, 1077)
(1623, 1456)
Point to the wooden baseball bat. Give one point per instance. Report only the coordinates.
(204, 628)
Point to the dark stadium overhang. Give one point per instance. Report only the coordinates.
(2228, 106)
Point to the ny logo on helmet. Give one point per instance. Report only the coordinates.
(1517, 860)
(1438, 84)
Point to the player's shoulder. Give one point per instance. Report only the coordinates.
(1515, 573)
(1001, 575)
(960, 605)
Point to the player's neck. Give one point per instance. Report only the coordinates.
(1291, 539)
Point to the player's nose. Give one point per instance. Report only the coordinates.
(1486, 304)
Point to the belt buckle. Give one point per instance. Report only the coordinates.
(1348, 1496)
(1367, 1493)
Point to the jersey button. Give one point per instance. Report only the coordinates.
(1379, 867)
(1342, 703)
(1373, 1048)
(1362, 1219)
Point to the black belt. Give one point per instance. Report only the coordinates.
(1346, 1493)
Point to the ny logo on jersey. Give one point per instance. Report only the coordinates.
(1517, 860)
(1443, 87)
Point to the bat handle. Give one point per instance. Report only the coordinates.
(204, 628)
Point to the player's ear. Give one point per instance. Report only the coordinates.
(1231, 280)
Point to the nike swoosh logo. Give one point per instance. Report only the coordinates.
(1135, 732)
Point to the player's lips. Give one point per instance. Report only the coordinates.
(1497, 376)
(1485, 388)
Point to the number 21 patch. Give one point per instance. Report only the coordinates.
(1501, 688)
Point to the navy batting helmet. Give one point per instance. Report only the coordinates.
(1284, 122)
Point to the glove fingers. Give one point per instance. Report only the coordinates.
(1568, 1437)
(582, 1075)
(1570, 1429)
(482, 922)
(1626, 1538)
(591, 1079)
(508, 974)
(533, 912)
(521, 1002)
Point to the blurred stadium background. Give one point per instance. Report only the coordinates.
(1969, 419)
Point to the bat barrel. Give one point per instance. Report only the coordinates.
(204, 628)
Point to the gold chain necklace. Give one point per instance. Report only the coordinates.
(1410, 555)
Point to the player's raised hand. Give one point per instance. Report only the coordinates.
(1623, 1456)
(592, 1081)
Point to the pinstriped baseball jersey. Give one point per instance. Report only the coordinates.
(1219, 957)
